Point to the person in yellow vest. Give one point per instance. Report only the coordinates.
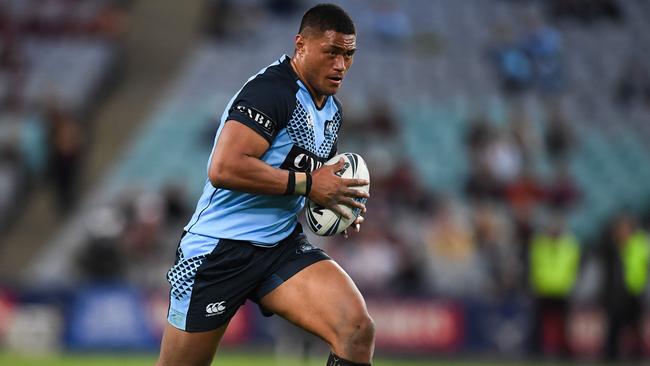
(626, 260)
(554, 264)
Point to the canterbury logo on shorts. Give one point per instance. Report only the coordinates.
(215, 308)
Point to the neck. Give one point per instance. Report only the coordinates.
(318, 98)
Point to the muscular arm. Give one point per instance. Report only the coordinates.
(235, 163)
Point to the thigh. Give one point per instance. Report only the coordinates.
(208, 285)
(320, 299)
(189, 349)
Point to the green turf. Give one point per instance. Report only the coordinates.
(232, 359)
(138, 360)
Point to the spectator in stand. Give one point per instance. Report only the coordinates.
(554, 267)
(389, 22)
(626, 259)
(559, 139)
(543, 45)
(480, 134)
(175, 201)
(562, 192)
(525, 192)
(11, 181)
(65, 141)
(513, 67)
(481, 183)
(100, 260)
(12, 61)
(233, 19)
(414, 197)
(524, 134)
(633, 85)
(372, 259)
(585, 10)
(493, 236)
(503, 158)
(141, 235)
(453, 267)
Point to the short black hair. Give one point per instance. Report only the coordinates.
(324, 17)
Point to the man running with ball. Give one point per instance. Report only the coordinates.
(244, 241)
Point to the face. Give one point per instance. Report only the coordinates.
(323, 59)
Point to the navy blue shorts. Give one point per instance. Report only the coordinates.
(212, 278)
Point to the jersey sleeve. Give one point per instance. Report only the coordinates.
(263, 105)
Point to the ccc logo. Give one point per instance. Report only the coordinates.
(215, 308)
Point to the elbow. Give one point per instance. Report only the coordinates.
(219, 174)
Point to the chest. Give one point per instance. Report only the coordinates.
(315, 130)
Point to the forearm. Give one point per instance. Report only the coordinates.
(252, 175)
(248, 174)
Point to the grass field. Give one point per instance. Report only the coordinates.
(142, 360)
(231, 359)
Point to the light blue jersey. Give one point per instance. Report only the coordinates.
(278, 106)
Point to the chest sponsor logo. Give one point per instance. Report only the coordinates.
(301, 160)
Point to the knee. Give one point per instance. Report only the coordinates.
(357, 334)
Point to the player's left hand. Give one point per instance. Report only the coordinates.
(356, 225)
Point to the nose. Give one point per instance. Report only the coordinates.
(339, 63)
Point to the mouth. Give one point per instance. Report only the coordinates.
(336, 79)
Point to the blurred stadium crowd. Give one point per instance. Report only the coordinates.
(57, 59)
(505, 141)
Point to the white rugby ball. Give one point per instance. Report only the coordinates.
(325, 222)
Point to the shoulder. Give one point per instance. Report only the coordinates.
(273, 82)
(266, 100)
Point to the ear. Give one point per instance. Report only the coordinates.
(300, 43)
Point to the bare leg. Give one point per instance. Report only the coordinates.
(323, 300)
(189, 349)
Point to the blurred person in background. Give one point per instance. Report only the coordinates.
(524, 134)
(633, 84)
(554, 267)
(625, 256)
(482, 183)
(493, 233)
(390, 23)
(372, 258)
(65, 141)
(562, 192)
(542, 44)
(559, 139)
(585, 10)
(503, 158)
(453, 264)
(12, 180)
(513, 67)
(525, 192)
(243, 241)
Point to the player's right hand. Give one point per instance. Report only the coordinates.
(329, 190)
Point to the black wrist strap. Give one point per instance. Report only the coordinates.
(308, 186)
(291, 184)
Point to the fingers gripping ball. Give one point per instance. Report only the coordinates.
(325, 222)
